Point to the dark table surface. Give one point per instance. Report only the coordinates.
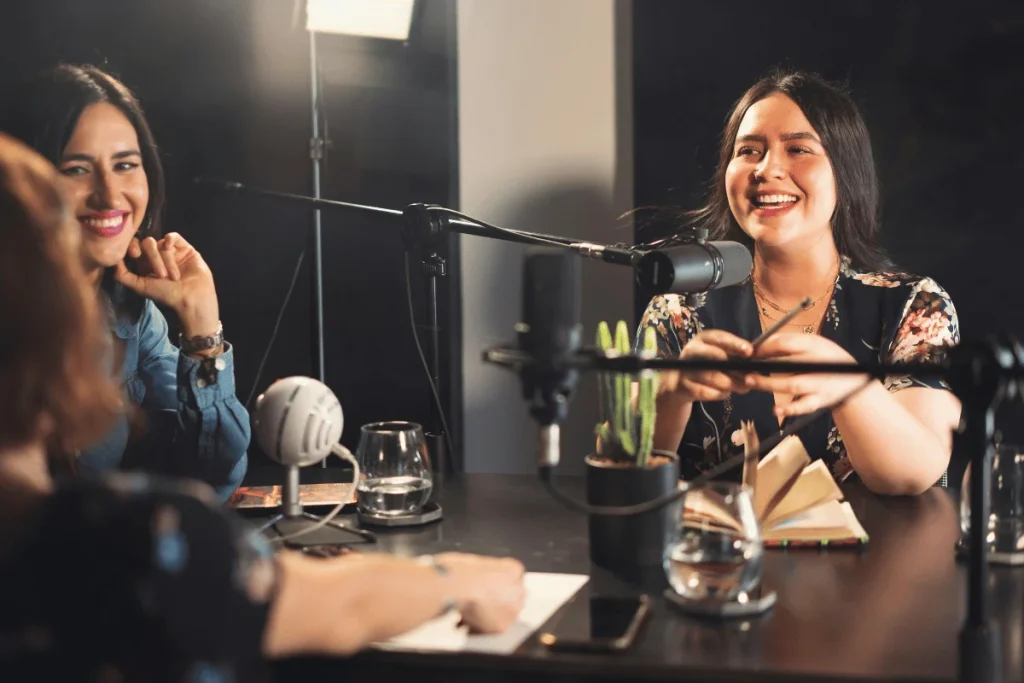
(891, 611)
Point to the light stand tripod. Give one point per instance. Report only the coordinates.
(317, 147)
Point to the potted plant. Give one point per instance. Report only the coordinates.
(626, 470)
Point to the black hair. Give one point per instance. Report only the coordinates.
(44, 111)
(834, 115)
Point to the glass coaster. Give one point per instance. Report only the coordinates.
(431, 512)
(724, 609)
(1012, 559)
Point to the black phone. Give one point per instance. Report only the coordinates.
(610, 625)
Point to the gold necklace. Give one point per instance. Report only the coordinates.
(763, 299)
(759, 291)
(761, 295)
(806, 329)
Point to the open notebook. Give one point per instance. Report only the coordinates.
(796, 501)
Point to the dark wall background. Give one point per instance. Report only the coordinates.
(941, 86)
(226, 86)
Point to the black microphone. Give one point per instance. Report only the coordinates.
(693, 268)
(551, 334)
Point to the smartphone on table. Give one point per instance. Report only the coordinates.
(610, 624)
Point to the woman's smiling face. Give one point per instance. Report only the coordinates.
(780, 182)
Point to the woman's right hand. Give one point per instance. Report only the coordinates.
(489, 591)
(707, 385)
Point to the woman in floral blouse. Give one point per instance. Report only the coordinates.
(796, 182)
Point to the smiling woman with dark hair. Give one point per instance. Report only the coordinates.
(91, 127)
(796, 182)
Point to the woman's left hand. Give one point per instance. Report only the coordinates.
(807, 393)
(174, 274)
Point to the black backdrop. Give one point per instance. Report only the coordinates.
(941, 86)
(226, 87)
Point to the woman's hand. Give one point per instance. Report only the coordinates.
(805, 393)
(708, 385)
(489, 590)
(174, 274)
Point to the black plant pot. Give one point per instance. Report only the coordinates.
(635, 541)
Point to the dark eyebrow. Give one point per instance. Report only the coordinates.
(86, 157)
(800, 136)
(786, 137)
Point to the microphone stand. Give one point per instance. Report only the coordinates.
(423, 228)
(980, 374)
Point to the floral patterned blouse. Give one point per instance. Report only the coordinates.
(134, 579)
(876, 317)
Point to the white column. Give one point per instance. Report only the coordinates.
(545, 145)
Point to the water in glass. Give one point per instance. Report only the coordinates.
(396, 473)
(720, 558)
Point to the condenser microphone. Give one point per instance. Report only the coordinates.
(298, 421)
(693, 268)
(551, 333)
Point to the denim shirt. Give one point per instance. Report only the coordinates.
(192, 427)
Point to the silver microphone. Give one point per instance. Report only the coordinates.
(298, 421)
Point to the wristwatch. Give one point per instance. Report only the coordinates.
(449, 603)
(197, 344)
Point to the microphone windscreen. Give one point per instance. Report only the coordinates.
(736, 263)
(297, 421)
(551, 323)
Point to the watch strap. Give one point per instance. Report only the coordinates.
(197, 344)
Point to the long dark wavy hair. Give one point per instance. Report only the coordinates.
(44, 111)
(833, 114)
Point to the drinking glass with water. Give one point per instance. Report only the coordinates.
(1005, 525)
(396, 470)
(719, 551)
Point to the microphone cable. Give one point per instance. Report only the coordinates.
(423, 361)
(274, 332)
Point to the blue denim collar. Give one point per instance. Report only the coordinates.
(120, 321)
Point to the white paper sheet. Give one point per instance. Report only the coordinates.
(545, 593)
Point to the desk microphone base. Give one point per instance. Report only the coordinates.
(722, 609)
(314, 520)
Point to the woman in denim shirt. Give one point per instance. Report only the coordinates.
(191, 424)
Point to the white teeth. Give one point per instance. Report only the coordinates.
(103, 222)
(776, 199)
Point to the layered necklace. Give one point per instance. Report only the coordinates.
(764, 303)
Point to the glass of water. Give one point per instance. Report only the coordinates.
(1006, 515)
(395, 467)
(719, 550)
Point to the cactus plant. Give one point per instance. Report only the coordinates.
(626, 431)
